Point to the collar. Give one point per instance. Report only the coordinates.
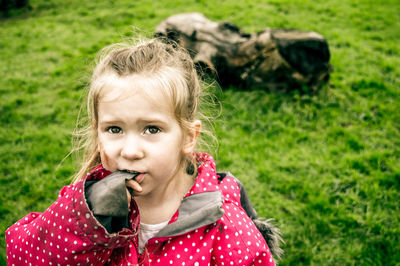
(202, 205)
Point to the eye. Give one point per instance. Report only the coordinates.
(114, 130)
(152, 130)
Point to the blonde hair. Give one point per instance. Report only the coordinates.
(166, 64)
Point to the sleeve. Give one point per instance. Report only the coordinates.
(239, 242)
(66, 233)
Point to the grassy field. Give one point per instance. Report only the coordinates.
(325, 166)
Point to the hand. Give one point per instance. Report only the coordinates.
(134, 187)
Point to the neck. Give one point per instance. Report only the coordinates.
(161, 204)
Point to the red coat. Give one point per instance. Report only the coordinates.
(210, 227)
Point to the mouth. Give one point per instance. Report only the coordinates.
(129, 171)
(137, 176)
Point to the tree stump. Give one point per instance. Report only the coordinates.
(7, 5)
(273, 59)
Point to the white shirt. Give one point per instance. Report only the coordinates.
(147, 231)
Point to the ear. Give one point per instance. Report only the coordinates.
(191, 137)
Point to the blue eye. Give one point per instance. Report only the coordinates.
(152, 130)
(114, 130)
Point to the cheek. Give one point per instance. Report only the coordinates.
(106, 159)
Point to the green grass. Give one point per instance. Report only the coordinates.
(325, 166)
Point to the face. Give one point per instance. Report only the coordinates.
(140, 134)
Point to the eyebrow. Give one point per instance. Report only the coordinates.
(154, 120)
(144, 121)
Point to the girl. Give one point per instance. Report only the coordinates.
(149, 197)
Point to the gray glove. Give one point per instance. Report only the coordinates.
(108, 201)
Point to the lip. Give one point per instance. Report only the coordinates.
(129, 171)
(138, 178)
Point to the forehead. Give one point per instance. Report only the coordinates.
(133, 107)
(116, 88)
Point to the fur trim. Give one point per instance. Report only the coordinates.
(271, 234)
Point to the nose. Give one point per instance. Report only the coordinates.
(131, 148)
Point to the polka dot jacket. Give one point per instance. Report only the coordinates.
(209, 228)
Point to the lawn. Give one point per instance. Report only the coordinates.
(326, 166)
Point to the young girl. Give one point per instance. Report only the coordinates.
(149, 197)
